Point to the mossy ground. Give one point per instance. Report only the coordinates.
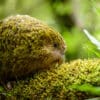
(57, 83)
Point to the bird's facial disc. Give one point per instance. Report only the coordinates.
(54, 54)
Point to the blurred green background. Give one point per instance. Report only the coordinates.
(68, 17)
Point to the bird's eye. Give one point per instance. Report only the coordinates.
(55, 45)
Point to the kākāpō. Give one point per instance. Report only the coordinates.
(28, 45)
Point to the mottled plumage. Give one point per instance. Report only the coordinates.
(27, 45)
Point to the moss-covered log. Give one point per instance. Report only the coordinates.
(59, 83)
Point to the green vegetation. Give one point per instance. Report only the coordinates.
(74, 80)
(66, 16)
(77, 80)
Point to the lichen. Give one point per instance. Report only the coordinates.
(27, 45)
(57, 83)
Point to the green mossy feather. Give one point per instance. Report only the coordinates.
(27, 45)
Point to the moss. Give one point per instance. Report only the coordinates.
(27, 45)
(57, 83)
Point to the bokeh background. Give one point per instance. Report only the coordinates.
(69, 17)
